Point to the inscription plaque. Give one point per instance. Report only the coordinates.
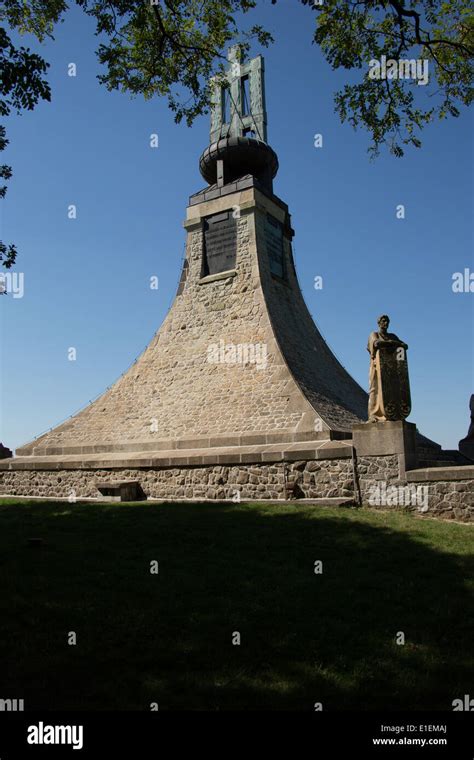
(274, 238)
(220, 243)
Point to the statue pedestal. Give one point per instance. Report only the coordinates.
(385, 438)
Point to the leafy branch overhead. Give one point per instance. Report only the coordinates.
(171, 48)
(437, 34)
(21, 86)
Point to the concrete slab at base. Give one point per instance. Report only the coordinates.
(386, 438)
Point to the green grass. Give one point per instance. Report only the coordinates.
(166, 638)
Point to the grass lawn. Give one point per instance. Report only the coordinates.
(223, 568)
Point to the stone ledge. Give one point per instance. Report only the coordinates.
(214, 191)
(329, 501)
(275, 452)
(461, 472)
(161, 445)
(192, 224)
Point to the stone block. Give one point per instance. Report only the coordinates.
(374, 439)
(121, 490)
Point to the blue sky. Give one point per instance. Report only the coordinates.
(86, 281)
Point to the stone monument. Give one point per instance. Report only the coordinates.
(238, 368)
(237, 395)
(466, 445)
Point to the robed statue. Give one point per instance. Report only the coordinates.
(389, 387)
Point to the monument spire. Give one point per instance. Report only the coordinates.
(238, 135)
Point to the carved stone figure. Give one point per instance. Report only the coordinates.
(389, 388)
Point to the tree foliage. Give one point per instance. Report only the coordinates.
(22, 84)
(171, 48)
(394, 110)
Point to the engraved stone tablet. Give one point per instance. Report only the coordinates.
(394, 385)
(274, 238)
(220, 243)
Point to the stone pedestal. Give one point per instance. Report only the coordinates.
(385, 438)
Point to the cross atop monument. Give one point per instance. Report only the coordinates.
(238, 102)
(238, 139)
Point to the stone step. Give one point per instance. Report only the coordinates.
(329, 501)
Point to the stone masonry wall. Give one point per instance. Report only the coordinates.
(374, 470)
(325, 478)
(382, 488)
(451, 500)
(315, 479)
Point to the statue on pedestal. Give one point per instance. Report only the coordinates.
(389, 387)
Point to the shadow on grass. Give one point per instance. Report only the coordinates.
(167, 638)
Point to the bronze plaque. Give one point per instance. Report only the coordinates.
(274, 238)
(220, 243)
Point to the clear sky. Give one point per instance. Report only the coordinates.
(87, 281)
